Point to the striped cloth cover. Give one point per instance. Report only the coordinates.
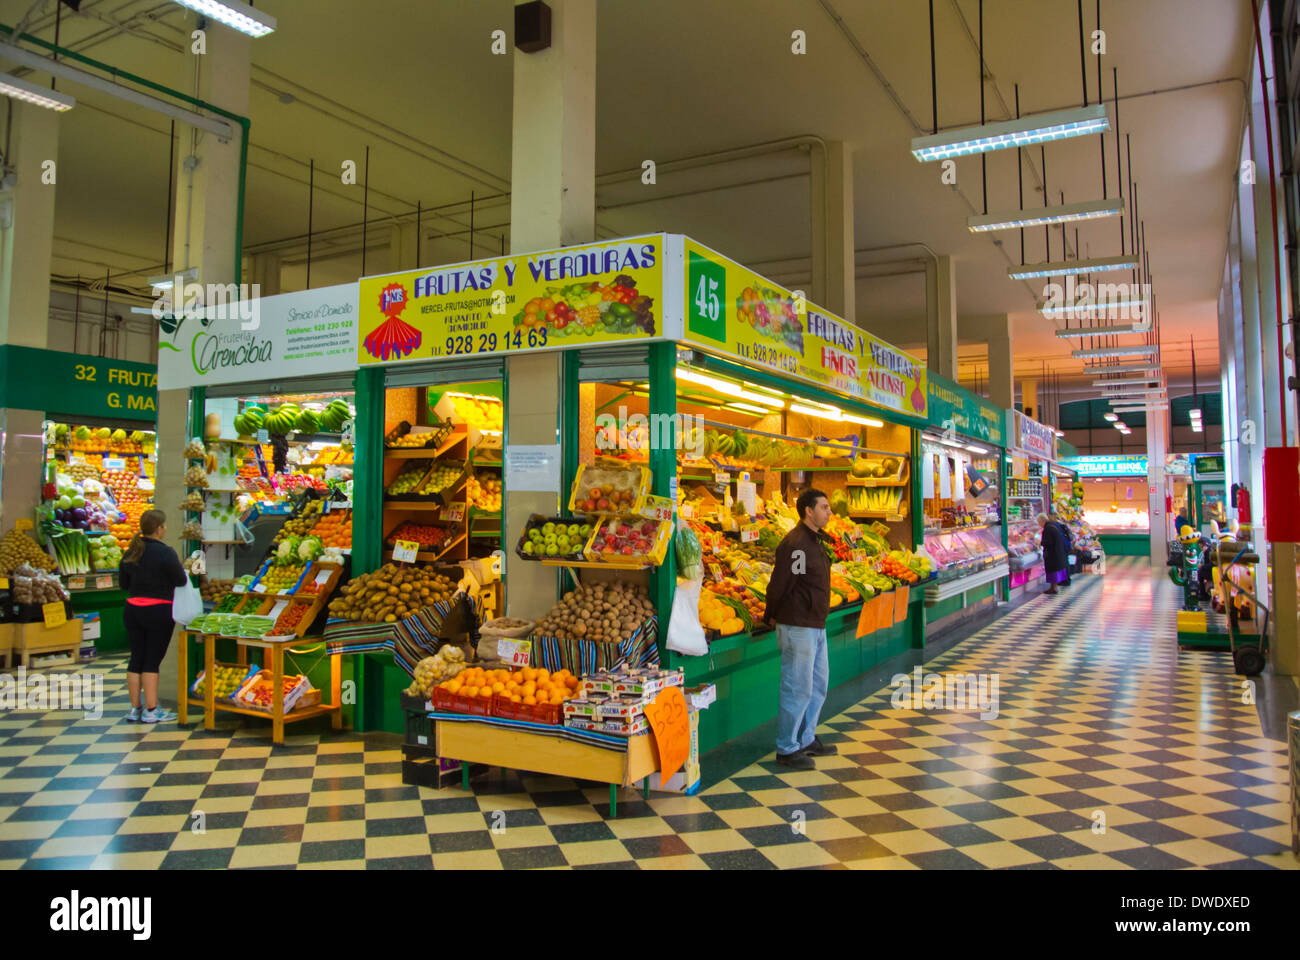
(582, 657)
(591, 738)
(410, 640)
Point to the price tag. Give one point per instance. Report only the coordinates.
(55, 614)
(4, 583)
(517, 653)
(104, 583)
(323, 577)
(454, 513)
(326, 505)
(278, 609)
(716, 570)
(114, 463)
(75, 461)
(749, 533)
(23, 523)
(260, 588)
(859, 556)
(404, 551)
(498, 558)
(721, 477)
(657, 508)
(688, 511)
(239, 588)
(76, 583)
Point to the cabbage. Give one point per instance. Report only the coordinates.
(310, 548)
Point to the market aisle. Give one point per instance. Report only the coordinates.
(1098, 712)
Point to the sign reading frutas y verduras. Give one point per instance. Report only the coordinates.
(594, 293)
(733, 310)
(76, 384)
(289, 335)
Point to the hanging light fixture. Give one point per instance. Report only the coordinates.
(234, 14)
(1152, 365)
(1046, 216)
(19, 89)
(1070, 332)
(1111, 417)
(1005, 134)
(1033, 271)
(1137, 350)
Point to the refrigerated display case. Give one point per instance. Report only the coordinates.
(960, 553)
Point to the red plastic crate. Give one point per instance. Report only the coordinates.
(446, 702)
(507, 709)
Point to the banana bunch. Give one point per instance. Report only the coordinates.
(875, 499)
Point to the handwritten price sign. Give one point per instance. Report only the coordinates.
(517, 653)
(404, 551)
(749, 533)
(55, 614)
(454, 513)
(657, 508)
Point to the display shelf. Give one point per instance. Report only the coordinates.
(941, 531)
(400, 505)
(878, 515)
(936, 593)
(410, 453)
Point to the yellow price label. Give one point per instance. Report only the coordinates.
(4, 583)
(404, 551)
(23, 523)
(55, 614)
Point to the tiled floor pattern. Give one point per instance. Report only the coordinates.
(1110, 749)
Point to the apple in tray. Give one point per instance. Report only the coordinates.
(623, 540)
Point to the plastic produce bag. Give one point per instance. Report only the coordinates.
(685, 633)
(187, 603)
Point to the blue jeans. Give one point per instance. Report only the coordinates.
(804, 678)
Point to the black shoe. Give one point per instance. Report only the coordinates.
(819, 749)
(796, 761)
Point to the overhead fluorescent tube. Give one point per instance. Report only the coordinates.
(1137, 350)
(1196, 426)
(1031, 271)
(1102, 331)
(1089, 309)
(761, 398)
(713, 383)
(1140, 409)
(167, 281)
(1119, 425)
(1059, 433)
(975, 448)
(1112, 417)
(236, 15)
(1153, 365)
(28, 92)
(749, 408)
(865, 421)
(1022, 132)
(1129, 382)
(814, 411)
(1047, 216)
(1194, 413)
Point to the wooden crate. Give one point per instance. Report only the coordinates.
(36, 638)
(7, 631)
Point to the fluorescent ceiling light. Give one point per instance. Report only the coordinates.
(168, 280)
(865, 421)
(1069, 332)
(975, 448)
(1059, 433)
(1130, 382)
(1108, 368)
(1196, 426)
(1047, 216)
(1137, 350)
(1136, 396)
(1112, 417)
(713, 383)
(749, 408)
(1119, 425)
(1194, 413)
(28, 92)
(1144, 407)
(761, 398)
(239, 16)
(1089, 309)
(813, 411)
(1031, 271)
(1057, 125)
(759, 386)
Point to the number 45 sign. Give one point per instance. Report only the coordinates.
(707, 283)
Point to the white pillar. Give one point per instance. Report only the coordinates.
(207, 216)
(941, 306)
(834, 268)
(552, 204)
(1157, 443)
(264, 270)
(26, 246)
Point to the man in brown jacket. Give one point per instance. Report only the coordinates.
(798, 601)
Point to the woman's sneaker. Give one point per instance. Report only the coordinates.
(157, 715)
(133, 715)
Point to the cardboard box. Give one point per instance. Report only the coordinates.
(583, 707)
(581, 723)
(600, 683)
(624, 728)
(648, 687)
(90, 626)
(7, 636)
(701, 696)
(624, 710)
(687, 779)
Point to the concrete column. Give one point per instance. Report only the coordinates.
(997, 333)
(834, 268)
(1029, 399)
(941, 309)
(207, 217)
(552, 204)
(26, 244)
(264, 270)
(401, 247)
(1157, 444)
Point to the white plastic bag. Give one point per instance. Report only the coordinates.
(685, 633)
(187, 603)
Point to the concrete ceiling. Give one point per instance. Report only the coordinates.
(417, 83)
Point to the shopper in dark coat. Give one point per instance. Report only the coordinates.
(1069, 546)
(1054, 555)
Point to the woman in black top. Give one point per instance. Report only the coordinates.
(1054, 556)
(150, 574)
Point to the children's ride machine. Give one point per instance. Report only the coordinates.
(1221, 569)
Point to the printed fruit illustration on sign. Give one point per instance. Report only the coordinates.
(772, 315)
(584, 309)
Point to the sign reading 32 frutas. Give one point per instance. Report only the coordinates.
(592, 293)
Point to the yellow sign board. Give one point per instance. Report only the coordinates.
(595, 293)
(735, 311)
(55, 614)
(23, 523)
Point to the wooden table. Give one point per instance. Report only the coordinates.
(500, 746)
(277, 716)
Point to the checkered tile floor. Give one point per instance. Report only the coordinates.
(1111, 749)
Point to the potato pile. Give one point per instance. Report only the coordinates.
(214, 590)
(429, 672)
(394, 591)
(605, 612)
(17, 548)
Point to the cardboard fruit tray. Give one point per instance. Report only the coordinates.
(435, 435)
